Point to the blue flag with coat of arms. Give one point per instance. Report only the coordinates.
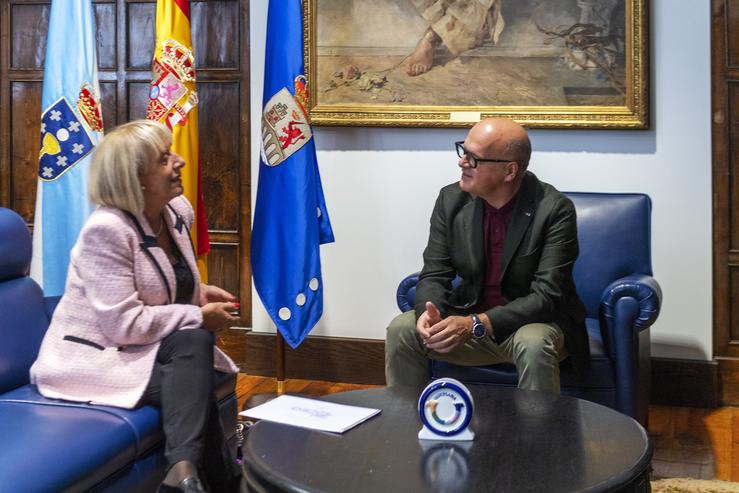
(71, 125)
(290, 218)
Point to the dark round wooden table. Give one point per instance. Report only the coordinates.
(525, 441)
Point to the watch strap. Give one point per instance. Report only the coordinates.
(476, 322)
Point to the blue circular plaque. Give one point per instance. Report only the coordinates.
(445, 407)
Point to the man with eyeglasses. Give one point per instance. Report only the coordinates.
(512, 242)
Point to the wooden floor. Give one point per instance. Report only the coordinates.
(688, 443)
(695, 443)
(247, 386)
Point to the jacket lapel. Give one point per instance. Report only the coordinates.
(161, 263)
(181, 235)
(523, 214)
(473, 221)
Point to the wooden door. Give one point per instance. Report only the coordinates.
(725, 131)
(125, 44)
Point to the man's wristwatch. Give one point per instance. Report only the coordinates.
(478, 328)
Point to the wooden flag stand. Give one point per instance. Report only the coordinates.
(258, 399)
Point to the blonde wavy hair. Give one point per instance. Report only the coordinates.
(120, 159)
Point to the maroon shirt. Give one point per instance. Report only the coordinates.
(495, 225)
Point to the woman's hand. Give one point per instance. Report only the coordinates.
(212, 294)
(218, 316)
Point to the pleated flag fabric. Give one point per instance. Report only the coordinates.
(71, 126)
(290, 218)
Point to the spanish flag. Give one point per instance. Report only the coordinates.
(173, 100)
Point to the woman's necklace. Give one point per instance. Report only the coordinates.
(161, 227)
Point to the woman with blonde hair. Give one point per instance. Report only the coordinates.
(135, 325)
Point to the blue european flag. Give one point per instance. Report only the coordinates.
(290, 218)
(71, 125)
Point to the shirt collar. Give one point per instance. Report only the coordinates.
(506, 209)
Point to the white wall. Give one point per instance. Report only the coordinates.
(380, 185)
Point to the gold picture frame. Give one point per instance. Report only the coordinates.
(544, 67)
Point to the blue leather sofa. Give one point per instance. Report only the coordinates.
(49, 445)
(613, 275)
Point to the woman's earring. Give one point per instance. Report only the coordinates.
(143, 187)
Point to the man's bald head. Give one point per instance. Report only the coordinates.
(505, 138)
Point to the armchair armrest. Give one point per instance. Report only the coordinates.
(629, 306)
(405, 296)
(643, 289)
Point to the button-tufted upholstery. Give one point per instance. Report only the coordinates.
(613, 275)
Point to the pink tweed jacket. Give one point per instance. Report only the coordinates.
(117, 307)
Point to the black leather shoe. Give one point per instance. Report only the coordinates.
(190, 484)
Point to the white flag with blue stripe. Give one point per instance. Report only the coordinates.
(71, 125)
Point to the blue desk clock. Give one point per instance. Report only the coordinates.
(445, 408)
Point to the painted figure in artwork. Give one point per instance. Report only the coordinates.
(460, 25)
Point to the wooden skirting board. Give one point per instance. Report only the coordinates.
(334, 359)
(675, 382)
(687, 383)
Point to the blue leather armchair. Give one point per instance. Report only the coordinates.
(52, 445)
(613, 275)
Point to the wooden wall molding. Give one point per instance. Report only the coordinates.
(687, 383)
(725, 166)
(675, 382)
(729, 381)
(334, 359)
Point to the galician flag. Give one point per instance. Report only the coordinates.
(71, 125)
(290, 218)
(173, 101)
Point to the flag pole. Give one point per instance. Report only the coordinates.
(290, 201)
(280, 363)
(261, 398)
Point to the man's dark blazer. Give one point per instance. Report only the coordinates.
(539, 252)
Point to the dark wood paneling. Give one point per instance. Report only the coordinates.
(105, 34)
(690, 383)
(141, 35)
(138, 99)
(215, 33)
(25, 123)
(233, 343)
(732, 32)
(733, 128)
(733, 332)
(109, 98)
(28, 25)
(720, 171)
(219, 154)
(729, 370)
(4, 103)
(223, 262)
(335, 359)
(725, 169)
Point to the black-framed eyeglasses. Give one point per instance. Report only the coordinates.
(473, 160)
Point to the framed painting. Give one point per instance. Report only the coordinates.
(450, 63)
